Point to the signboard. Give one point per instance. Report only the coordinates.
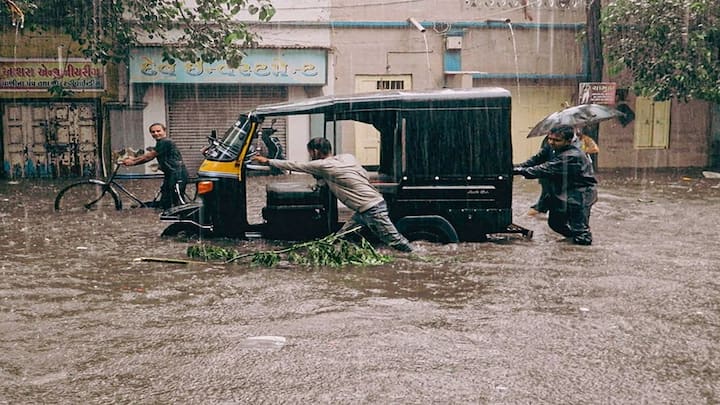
(260, 66)
(74, 74)
(597, 93)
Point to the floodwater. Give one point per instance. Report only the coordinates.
(634, 318)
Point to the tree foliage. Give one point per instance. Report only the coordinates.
(207, 30)
(670, 47)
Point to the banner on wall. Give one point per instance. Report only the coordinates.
(72, 74)
(597, 93)
(259, 66)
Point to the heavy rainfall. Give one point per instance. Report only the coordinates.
(101, 307)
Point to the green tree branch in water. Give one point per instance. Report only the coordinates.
(332, 251)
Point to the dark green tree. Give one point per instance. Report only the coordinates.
(671, 48)
(207, 30)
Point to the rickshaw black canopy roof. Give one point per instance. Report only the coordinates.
(341, 104)
(453, 133)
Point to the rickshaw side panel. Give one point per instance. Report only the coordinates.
(457, 164)
(296, 211)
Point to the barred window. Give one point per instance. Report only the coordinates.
(545, 4)
(390, 84)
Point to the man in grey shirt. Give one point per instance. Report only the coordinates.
(349, 182)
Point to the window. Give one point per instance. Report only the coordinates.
(366, 138)
(390, 84)
(652, 123)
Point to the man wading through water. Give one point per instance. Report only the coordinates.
(170, 162)
(571, 184)
(349, 182)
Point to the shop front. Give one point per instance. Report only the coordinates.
(195, 99)
(50, 135)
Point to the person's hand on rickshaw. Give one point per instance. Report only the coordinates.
(518, 171)
(255, 161)
(259, 159)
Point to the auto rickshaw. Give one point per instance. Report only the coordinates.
(445, 168)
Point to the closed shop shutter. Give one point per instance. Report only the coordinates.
(195, 110)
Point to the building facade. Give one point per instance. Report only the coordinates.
(45, 134)
(324, 47)
(197, 99)
(534, 49)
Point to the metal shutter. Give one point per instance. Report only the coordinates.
(195, 110)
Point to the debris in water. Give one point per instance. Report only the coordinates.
(331, 250)
(165, 260)
(264, 342)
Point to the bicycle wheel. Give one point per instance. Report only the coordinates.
(88, 195)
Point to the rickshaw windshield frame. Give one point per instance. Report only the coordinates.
(229, 147)
(236, 135)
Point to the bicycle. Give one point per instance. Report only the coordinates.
(91, 195)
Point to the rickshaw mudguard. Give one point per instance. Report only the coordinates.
(186, 218)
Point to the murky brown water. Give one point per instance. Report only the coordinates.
(635, 318)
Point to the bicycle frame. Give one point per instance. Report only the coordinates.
(104, 187)
(110, 182)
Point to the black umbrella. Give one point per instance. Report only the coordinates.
(577, 116)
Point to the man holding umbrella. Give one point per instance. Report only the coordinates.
(571, 190)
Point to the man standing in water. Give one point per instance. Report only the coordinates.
(582, 140)
(571, 184)
(171, 164)
(349, 182)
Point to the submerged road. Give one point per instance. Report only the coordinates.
(634, 318)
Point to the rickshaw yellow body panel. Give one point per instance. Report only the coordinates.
(210, 168)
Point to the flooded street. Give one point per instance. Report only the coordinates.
(634, 318)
